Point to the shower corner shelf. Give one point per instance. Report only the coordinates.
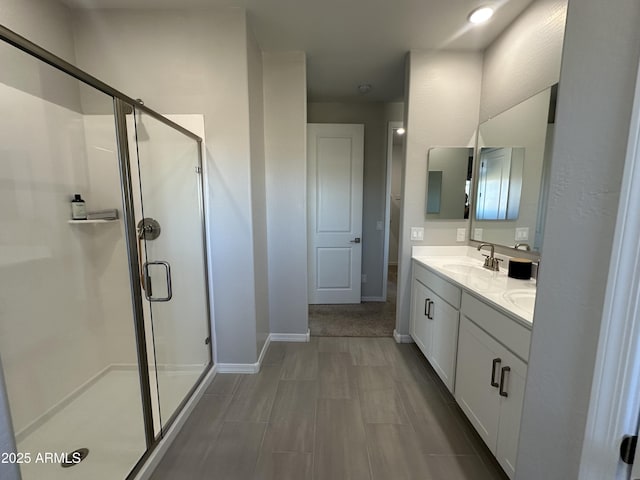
(92, 221)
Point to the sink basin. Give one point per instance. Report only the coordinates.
(521, 298)
(466, 269)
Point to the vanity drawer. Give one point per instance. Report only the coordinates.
(445, 290)
(507, 331)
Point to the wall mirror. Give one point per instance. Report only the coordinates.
(448, 183)
(499, 183)
(509, 199)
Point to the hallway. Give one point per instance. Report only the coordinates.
(334, 408)
(366, 319)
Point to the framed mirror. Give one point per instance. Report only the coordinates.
(509, 194)
(449, 172)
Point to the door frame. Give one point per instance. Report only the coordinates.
(614, 406)
(387, 206)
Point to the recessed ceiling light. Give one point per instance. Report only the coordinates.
(400, 131)
(480, 15)
(364, 88)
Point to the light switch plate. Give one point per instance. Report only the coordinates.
(379, 225)
(522, 233)
(417, 233)
(477, 234)
(461, 234)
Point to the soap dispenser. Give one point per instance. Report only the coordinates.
(78, 208)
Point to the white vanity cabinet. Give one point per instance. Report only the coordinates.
(434, 321)
(491, 374)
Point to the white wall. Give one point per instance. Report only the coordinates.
(524, 59)
(258, 189)
(600, 62)
(41, 339)
(65, 288)
(108, 251)
(375, 117)
(285, 112)
(442, 98)
(194, 61)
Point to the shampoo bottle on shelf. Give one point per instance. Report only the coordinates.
(78, 208)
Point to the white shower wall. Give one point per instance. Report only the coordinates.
(65, 301)
(55, 319)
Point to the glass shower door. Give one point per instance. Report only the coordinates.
(173, 261)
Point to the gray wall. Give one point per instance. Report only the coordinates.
(285, 120)
(442, 98)
(258, 190)
(524, 59)
(600, 61)
(181, 61)
(375, 117)
(26, 17)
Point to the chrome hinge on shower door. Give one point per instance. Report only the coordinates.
(198, 170)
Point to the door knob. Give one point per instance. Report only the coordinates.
(355, 240)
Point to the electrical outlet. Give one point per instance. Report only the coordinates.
(379, 225)
(522, 234)
(364, 278)
(417, 233)
(477, 234)
(461, 234)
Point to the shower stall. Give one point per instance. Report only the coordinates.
(104, 321)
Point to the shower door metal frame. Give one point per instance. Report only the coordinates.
(122, 104)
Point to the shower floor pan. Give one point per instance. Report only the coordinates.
(107, 419)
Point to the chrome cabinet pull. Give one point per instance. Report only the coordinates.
(502, 382)
(496, 362)
(147, 277)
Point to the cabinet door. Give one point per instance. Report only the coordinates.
(476, 396)
(510, 413)
(444, 345)
(420, 325)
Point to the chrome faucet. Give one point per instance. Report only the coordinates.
(526, 246)
(490, 262)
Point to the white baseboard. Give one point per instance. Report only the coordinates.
(373, 299)
(170, 435)
(290, 337)
(238, 367)
(399, 338)
(265, 347)
(255, 367)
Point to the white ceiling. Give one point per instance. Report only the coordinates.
(349, 42)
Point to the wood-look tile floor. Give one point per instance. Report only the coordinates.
(331, 409)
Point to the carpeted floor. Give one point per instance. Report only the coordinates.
(367, 319)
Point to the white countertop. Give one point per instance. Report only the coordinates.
(463, 267)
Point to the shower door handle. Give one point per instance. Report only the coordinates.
(147, 281)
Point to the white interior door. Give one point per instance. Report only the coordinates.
(335, 159)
